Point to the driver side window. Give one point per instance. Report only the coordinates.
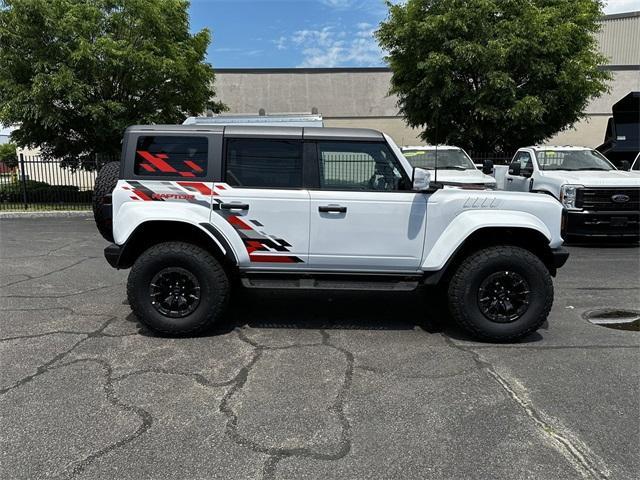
(359, 166)
(523, 159)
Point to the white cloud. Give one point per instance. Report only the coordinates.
(342, 4)
(333, 47)
(281, 43)
(618, 6)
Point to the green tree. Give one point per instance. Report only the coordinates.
(493, 75)
(8, 155)
(75, 73)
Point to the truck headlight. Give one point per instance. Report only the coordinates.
(568, 194)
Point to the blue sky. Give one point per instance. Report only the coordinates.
(301, 33)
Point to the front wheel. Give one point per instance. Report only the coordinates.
(501, 294)
(177, 288)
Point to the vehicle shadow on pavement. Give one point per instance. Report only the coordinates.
(337, 310)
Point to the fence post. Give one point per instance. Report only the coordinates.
(23, 180)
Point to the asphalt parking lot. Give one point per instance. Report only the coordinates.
(311, 386)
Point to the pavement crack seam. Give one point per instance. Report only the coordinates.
(146, 420)
(47, 365)
(577, 455)
(39, 335)
(145, 416)
(379, 371)
(63, 295)
(46, 309)
(58, 270)
(49, 253)
(275, 453)
(196, 377)
(270, 466)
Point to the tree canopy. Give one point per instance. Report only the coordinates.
(75, 73)
(493, 75)
(8, 155)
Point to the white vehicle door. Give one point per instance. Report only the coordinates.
(518, 177)
(364, 215)
(263, 198)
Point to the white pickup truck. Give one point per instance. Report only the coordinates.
(601, 201)
(197, 210)
(455, 167)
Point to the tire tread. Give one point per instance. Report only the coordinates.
(201, 256)
(105, 183)
(460, 278)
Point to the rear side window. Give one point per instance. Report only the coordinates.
(263, 163)
(171, 156)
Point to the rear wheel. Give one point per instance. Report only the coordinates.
(177, 288)
(501, 294)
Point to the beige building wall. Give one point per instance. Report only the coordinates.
(358, 97)
(395, 127)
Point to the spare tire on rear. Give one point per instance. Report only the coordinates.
(102, 211)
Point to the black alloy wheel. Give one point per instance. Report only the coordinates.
(501, 294)
(174, 292)
(177, 288)
(504, 296)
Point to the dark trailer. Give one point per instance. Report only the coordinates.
(622, 138)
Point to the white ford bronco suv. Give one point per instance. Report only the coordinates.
(601, 201)
(196, 210)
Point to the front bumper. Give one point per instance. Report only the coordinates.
(608, 224)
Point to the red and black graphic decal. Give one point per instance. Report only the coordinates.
(255, 241)
(143, 192)
(157, 163)
(258, 244)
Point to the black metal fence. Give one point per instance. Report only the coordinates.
(38, 184)
(496, 158)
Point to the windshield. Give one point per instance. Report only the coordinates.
(447, 159)
(572, 160)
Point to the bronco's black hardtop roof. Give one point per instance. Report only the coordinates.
(312, 133)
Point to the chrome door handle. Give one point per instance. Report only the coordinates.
(332, 209)
(234, 206)
(509, 179)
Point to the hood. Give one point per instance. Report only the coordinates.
(594, 178)
(462, 176)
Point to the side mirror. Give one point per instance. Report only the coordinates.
(624, 165)
(487, 167)
(514, 169)
(421, 179)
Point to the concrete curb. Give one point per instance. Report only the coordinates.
(52, 214)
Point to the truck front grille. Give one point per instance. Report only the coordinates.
(602, 199)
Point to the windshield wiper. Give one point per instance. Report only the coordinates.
(451, 167)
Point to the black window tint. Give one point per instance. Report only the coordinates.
(359, 166)
(171, 156)
(264, 163)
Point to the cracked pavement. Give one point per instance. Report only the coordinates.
(302, 385)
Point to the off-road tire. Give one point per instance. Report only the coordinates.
(213, 280)
(105, 183)
(466, 281)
